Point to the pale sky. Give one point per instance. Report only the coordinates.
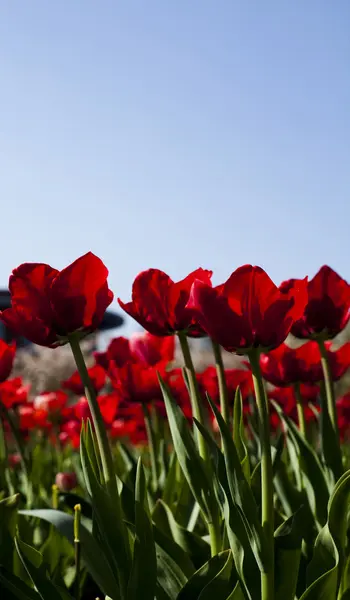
(175, 134)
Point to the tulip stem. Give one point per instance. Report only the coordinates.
(197, 410)
(196, 400)
(102, 439)
(300, 410)
(9, 416)
(267, 509)
(327, 375)
(151, 446)
(77, 549)
(220, 371)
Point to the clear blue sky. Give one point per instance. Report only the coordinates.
(175, 134)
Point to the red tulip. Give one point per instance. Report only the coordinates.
(31, 418)
(235, 378)
(327, 310)
(51, 402)
(70, 433)
(66, 481)
(81, 409)
(285, 397)
(14, 460)
(343, 411)
(108, 406)
(339, 360)
(160, 305)
(97, 377)
(248, 311)
(151, 349)
(7, 355)
(118, 351)
(285, 366)
(136, 382)
(122, 429)
(48, 305)
(13, 392)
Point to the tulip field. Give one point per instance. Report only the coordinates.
(143, 478)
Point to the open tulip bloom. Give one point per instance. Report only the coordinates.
(228, 482)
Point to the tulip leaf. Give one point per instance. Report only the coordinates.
(16, 587)
(215, 579)
(288, 540)
(312, 473)
(191, 463)
(175, 551)
(143, 577)
(107, 515)
(91, 551)
(330, 444)
(325, 569)
(33, 562)
(241, 492)
(239, 434)
(8, 523)
(170, 577)
(243, 550)
(194, 547)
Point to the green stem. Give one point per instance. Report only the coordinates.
(223, 391)
(197, 409)
(215, 541)
(327, 375)
(8, 415)
(77, 549)
(300, 410)
(151, 446)
(101, 434)
(196, 400)
(267, 509)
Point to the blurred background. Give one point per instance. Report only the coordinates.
(175, 135)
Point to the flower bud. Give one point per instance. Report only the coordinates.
(66, 481)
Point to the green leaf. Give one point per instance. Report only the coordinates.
(325, 569)
(288, 539)
(15, 586)
(191, 463)
(220, 587)
(313, 475)
(107, 514)
(143, 578)
(215, 579)
(242, 550)
(8, 522)
(175, 552)
(239, 433)
(92, 553)
(195, 549)
(241, 492)
(170, 577)
(330, 444)
(36, 568)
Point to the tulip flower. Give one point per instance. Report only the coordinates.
(151, 349)
(160, 305)
(66, 481)
(327, 310)
(97, 377)
(248, 310)
(47, 305)
(7, 355)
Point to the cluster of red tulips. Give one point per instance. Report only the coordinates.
(280, 402)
